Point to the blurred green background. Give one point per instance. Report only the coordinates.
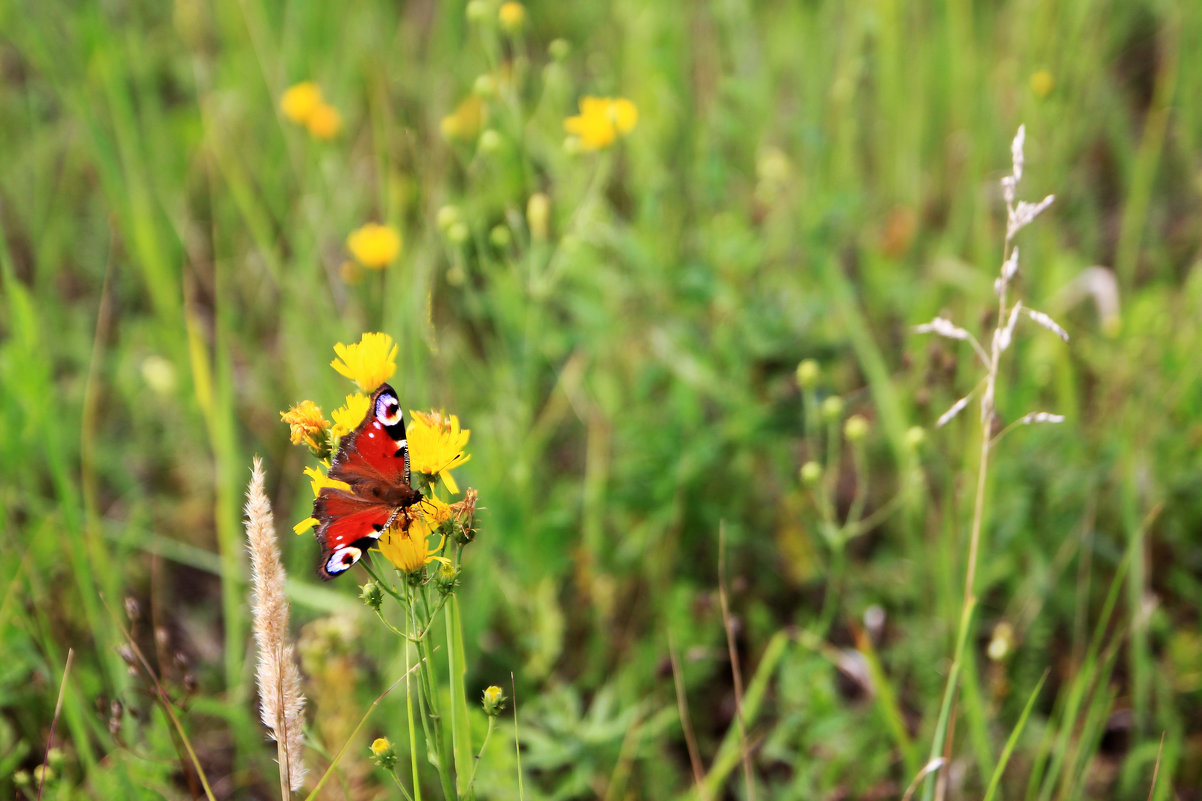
(806, 180)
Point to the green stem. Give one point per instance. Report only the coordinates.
(472, 781)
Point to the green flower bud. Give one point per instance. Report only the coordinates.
(447, 216)
(458, 233)
(372, 595)
(807, 373)
(811, 473)
(500, 237)
(915, 437)
(832, 408)
(559, 49)
(856, 428)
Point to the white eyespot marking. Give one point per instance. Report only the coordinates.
(371, 435)
(343, 559)
(388, 410)
(376, 425)
(402, 443)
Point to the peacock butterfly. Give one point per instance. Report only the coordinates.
(374, 461)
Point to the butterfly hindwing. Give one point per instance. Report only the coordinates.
(373, 460)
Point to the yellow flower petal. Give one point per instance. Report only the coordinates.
(436, 445)
(305, 422)
(348, 417)
(305, 525)
(369, 363)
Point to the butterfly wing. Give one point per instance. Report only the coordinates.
(373, 460)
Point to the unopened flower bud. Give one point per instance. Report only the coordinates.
(559, 49)
(447, 216)
(807, 373)
(832, 408)
(476, 11)
(915, 437)
(538, 215)
(811, 473)
(493, 701)
(500, 237)
(490, 141)
(485, 85)
(856, 428)
(458, 233)
(383, 753)
(372, 595)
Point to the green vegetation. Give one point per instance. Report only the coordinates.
(805, 181)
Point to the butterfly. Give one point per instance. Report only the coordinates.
(373, 460)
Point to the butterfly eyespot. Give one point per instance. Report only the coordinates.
(343, 559)
(388, 410)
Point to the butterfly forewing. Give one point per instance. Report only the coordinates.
(374, 461)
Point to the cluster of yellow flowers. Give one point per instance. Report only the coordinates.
(304, 105)
(436, 447)
(601, 121)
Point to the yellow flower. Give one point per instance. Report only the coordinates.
(436, 445)
(601, 121)
(410, 550)
(374, 245)
(306, 423)
(349, 416)
(1042, 83)
(369, 363)
(466, 121)
(493, 700)
(318, 480)
(299, 102)
(324, 122)
(511, 15)
(380, 745)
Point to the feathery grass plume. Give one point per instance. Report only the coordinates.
(283, 703)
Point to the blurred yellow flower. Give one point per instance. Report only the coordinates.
(374, 245)
(601, 121)
(369, 363)
(511, 15)
(436, 445)
(466, 121)
(1042, 83)
(306, 423)
(349, 416)
(324, 122)
(299, 102)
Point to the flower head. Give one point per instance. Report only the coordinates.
(349, 416)
(299, 102)
(374, 245)
(409, 549)
(601, 121)
(493, 700)
(383, 753)
(306, 424)
(368, 363)
(436, 445)
(512, 16)
(324, 122)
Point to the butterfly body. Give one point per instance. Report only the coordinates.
(373, 461)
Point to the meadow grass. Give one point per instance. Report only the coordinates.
(805, 181)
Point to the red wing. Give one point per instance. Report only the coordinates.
(344, 518)
(376, 451)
